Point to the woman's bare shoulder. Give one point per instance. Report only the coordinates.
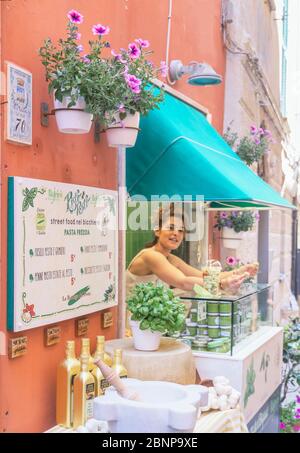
(152, 255)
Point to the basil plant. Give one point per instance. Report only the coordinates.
(157, 308)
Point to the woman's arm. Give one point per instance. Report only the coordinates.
(185, 268)
(167, 272)
(251, 268)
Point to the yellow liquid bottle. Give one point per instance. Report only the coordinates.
(118, 365)
(101, 382)
(100, 342)
(86, 350)
(66, 373)
(84, 393)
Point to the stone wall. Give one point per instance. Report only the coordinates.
(252, 96)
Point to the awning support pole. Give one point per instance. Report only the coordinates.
(122, 199)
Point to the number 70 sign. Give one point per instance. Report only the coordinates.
(19, 105)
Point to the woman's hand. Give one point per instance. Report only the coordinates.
(232, 283)
(251, 268)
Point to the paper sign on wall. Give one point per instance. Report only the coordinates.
(62, 251)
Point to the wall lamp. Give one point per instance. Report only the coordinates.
(199, 73)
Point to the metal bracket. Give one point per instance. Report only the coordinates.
(44, 114)
(97, 131)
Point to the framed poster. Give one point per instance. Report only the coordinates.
(62, 251)
(19, 105)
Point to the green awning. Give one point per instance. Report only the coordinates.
(179, 152)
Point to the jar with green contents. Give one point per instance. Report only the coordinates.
(191, 328)
(225, 308)
(202, 329)
(213, 320)
(213, 307)
(225, 320)
(211, 279)
(187, 340)
(194, 314)
(213, 332)
(199, 344)
(225, 332)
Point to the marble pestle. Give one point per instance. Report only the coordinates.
(115, 381)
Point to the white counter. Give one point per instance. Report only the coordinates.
(254, 369)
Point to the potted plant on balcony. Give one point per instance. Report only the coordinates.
(233, 225)
(120, 88)
(251, 147)
(66, 72)
(154, 311)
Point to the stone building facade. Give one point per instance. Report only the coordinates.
(251, 32)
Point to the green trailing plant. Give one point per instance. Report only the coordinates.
(290, 417)
(291, 358)
(237, 220)
(65, 69)
(251, 147)
(156, 308)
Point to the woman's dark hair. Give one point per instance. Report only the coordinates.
(170, 211)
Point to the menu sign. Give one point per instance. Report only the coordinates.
(62, 251)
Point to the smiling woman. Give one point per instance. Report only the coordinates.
(155, 263)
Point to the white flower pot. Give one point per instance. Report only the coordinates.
(231, 239)
(123, 132)
(72, 121)
(144, 340)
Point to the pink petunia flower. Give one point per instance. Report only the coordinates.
(282, 425)
(163, 69)
(121, 108)
(86, 59)
(268, 133)
(134, 52)
(100, 30)
(80, 48)
(223, 215)
(296, 428)
(231, 261)
(298, 399)
(118, 56)
(143, 42)
(253, 129)
(132, 81)
(75, 17)
(78, 36)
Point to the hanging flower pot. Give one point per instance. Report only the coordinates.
(231, 239)
(144, 340)
(123, 132)
(72, 120)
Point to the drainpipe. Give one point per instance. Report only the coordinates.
(294, 273)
